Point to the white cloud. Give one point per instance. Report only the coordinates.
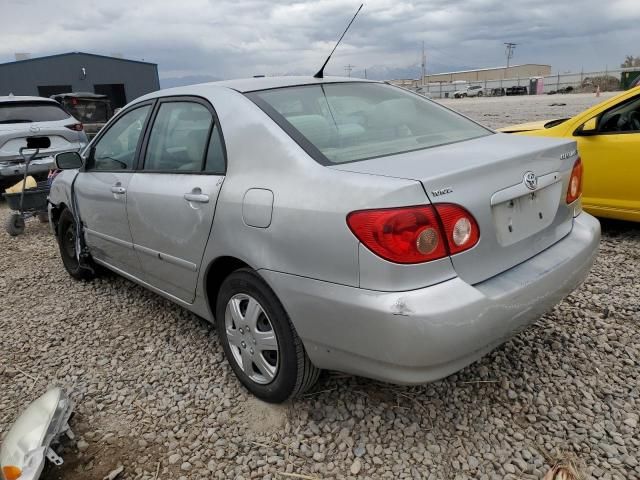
(226, 38)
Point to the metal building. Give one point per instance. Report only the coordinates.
(121, 79)
(514, 71)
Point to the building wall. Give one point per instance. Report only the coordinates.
(24, 77)
(517, 71)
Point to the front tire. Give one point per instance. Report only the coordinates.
(259, 340)
(67, 245)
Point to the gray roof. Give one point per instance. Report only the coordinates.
(263, 83)
(18, 98)
(36, 59)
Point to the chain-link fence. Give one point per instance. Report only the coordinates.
(607, 80)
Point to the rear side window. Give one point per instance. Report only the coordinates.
(28, 112)
(87, 111)
(347, 122)
(179, 137)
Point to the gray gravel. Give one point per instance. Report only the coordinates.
(154, 394)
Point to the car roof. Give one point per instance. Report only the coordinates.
(19, 98)
(264, 83)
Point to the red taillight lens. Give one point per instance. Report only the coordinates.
(78, 127)
(575, 182)
(400, 235)
(415, 234)
(461, 229)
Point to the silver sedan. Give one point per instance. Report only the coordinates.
(328, 224)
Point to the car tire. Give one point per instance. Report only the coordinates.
(260, 341)
(15, 224)
(480, 94)
(66, 244)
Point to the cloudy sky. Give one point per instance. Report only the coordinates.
(227, 39)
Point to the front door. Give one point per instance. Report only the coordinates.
(172, 197)
(101, 191)
(612, 162)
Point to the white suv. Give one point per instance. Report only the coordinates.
(471, 91)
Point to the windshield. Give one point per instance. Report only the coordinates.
(27, 112)
(347, 122)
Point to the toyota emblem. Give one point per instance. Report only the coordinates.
(530, 180)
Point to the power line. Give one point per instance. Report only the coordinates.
(509, 52)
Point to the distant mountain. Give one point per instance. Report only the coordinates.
(186, 80)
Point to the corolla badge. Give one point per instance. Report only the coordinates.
(530, 180)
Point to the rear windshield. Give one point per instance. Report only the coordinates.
(87, 111)
(27, 112)
(347, 122)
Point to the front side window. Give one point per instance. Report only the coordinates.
(347, 122)
(623, 118)
(116, 149)
(29, 112)
(179, 137)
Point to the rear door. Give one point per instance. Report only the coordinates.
(101, 190)
(172, 198)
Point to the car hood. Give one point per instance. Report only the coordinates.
(525, 127)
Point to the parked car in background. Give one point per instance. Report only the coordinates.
(516, 90)
(22, 117)
(92, 109)
(328, 224)
(470, 91)
(608, 137)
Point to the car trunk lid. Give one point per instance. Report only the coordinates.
(13, 137)
(486, 176)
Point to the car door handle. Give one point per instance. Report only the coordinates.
(118, 189)
(196, 197)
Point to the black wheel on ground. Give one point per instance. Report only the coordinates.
(259, 340)
(480, 94)
(15, 224)
(67, 244)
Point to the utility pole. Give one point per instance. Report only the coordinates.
(348, 69)
(509, 52)
(365, 73)
(424, 65)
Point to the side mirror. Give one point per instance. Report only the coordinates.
(590, 127)
(68, 161)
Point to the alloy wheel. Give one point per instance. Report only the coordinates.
(251, 338)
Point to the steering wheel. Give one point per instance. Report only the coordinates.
(634, 121)
(628, 121)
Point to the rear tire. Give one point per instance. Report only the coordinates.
(263, 349)
(15, 224)
(66, 243)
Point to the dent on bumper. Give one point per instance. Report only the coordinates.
(422, 335)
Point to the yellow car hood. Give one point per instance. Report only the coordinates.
(525, 127)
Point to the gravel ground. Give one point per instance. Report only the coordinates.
(155, 395)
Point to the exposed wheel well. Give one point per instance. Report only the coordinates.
(56, 211)
(217, 271)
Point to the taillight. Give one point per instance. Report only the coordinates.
(78, 127)
(415, 234)
(461, 229)
(575, 182)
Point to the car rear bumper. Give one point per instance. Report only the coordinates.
(421, 335)
(40, 165)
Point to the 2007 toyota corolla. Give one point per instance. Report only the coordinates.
(328, 224)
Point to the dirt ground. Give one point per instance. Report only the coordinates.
(154, 394)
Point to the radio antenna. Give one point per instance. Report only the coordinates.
(320, 73)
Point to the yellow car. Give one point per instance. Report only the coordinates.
(608, 137)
